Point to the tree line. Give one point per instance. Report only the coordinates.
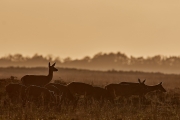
(100, 61)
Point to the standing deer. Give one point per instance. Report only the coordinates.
(39, 80)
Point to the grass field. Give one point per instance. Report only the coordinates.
(161, 106)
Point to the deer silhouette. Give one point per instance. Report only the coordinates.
(101, 94)
(39, 80)
(126, 89)
(39, 95)
(15, 92)
(79, 88)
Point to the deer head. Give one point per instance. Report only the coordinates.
(52, 68)
(160, 87)
(142, 81)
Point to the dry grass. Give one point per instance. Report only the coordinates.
(154, 111)
(159, 107)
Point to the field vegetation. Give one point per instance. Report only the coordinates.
(159, 106)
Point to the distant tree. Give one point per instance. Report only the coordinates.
(67, 60)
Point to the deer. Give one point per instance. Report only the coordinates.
(127, 89)
(153, 92)
(101, 94)
(39, 95)
(78, 88)
(39, 80)
(65, 93)
(15, 92)
(55, 90)
(157, 87)
(81, 89)
(66, 96)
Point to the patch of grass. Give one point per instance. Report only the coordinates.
(158, 107)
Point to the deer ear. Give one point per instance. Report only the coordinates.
(144, 81)
(54, 64)
(49, 64)
(139, 80)
(160, 83)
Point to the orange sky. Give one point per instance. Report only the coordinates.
(77, 28)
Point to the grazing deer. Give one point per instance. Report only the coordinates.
(16, 92)
(65, 93)
(39, 80)
(157, 87)
(125, 89)
(81, 89)
(39, 95)
(66, 96)
(78, 88)
(101, 94)
(55, 90)
(154, 92)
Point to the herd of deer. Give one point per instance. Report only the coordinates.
(38, 89)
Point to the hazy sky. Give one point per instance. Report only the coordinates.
(77, 28)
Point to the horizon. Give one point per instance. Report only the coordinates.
(61, 58)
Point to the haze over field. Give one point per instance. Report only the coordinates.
(100, 61)
(79, 28)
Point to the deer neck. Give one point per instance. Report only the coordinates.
(50, 75)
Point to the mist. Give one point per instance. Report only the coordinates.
(100, 61)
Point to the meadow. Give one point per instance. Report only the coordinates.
(161, 106)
